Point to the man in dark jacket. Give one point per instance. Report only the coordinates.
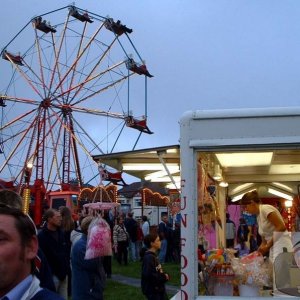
(164, 232)
(43, 271)
(53, 244)
(131, 227)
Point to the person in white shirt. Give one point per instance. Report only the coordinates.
(145, 226)
(271, 227)
(229, 231)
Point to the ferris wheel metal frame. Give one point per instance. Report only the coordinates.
(68, 69)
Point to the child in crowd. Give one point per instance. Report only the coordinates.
(153, 277)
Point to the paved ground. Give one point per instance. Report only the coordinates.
(137, 283)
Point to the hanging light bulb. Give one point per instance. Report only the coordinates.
(217, 173)
(288, 203)
(223, 184)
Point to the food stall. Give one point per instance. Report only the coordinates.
(224, 154)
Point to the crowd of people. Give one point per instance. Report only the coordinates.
(51, 262)
(56, 261)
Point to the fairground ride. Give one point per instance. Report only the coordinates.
(74, 83)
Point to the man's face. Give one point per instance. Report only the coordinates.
(56, 220)
(14, 258)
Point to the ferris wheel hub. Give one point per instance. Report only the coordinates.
(66, 110)
(46, 103)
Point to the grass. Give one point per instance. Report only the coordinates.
(133, 269)
(115, 290)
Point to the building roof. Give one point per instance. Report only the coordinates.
(132, 189)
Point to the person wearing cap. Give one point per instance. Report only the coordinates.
(18, 249)
(42, 269)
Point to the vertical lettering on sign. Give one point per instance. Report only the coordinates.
(184, 262)
(184, 295)
(183, 203)
(184, 279)
(184, 220)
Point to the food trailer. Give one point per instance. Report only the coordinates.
(231, 152)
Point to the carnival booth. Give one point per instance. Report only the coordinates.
(225, 154)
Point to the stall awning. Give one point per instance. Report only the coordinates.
(159, 164)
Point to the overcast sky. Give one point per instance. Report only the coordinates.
(204, 54)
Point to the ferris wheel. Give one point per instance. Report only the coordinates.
(73, 83)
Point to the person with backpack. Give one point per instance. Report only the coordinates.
(153, 277)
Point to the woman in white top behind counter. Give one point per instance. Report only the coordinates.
(271, 226)
(272, 229)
